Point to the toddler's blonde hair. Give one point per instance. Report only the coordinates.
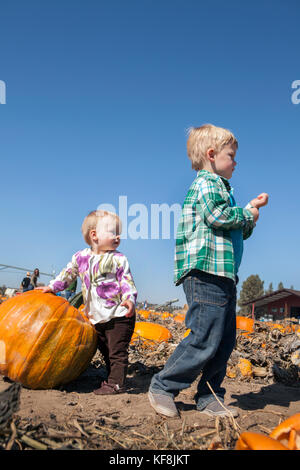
(91, 220)
(207, 136)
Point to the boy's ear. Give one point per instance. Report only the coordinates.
(210, 153)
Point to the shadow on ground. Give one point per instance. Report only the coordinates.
(274, 394)
(138, 379)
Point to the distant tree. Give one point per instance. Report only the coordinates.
(280, 286)
(270, 289)
(292, 287)
(252, 288)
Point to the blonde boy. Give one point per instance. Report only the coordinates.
(208, 253)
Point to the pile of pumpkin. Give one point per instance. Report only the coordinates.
(45, 341)
(265, 351)
(157, 327)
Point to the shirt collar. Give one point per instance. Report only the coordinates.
(217, 177)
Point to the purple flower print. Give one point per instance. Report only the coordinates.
(119, 274)
(87, 281)
(125, 288)
(110, 303)
(83, 263)
(59, 285)
(107, 290)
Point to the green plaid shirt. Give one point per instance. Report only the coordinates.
(203, 236)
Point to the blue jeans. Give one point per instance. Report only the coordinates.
(212, 320)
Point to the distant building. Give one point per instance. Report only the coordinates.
(278, 305)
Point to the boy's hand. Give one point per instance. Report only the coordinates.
(255, 213)
(260, 201)
(131, 308)
(45, 289)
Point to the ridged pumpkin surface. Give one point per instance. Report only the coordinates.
(47, 342)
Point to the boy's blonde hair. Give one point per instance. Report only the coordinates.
(207, 136)
(91, 220)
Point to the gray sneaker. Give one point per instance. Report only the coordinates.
(163, 404)
(214, 408)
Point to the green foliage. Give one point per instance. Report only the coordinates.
(252, 288)
(270, 289)
(77, 300)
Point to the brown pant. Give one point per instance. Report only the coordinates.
(113, 340)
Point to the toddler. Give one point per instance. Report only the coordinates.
(109, 293)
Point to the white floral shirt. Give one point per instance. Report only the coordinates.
(106, 283)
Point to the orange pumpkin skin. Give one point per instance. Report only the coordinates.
(288, 432)
(256, 441)
(47, 342)
(179, 318)
(150, 332)
(144, 313)
(245, 323)
(245, 367)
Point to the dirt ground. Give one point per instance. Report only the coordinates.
(72, 417)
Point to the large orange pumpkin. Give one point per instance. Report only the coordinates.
(45, 341)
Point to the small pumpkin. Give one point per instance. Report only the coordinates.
(231, 372)
(245, 367)
(144, 313)
(245, 323)
(179, 318)
(150, 333)
(47, 341)
(165, 315)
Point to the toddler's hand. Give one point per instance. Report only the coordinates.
(45, 289)
(131, 308)
(260, 201)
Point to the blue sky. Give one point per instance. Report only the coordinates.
(98, 99)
